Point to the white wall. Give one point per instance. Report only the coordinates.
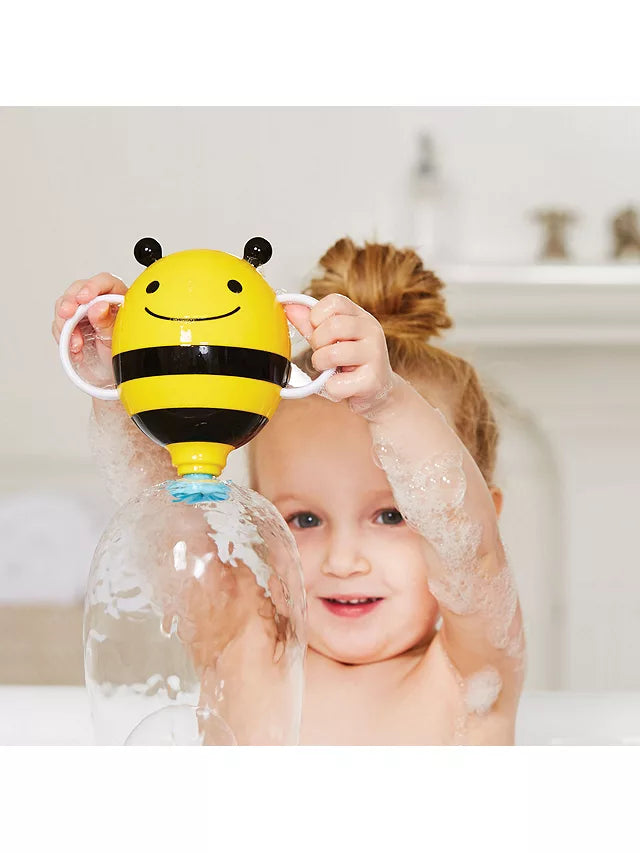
(81, 185)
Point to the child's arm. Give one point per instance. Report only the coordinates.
(437, 486)
(128, 459)
(441, 492)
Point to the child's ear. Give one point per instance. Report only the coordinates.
(498, 498)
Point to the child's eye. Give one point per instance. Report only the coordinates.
(391, 516)
(305, 520)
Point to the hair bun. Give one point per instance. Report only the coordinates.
(392, 284)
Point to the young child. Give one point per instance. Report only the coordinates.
(414, 627)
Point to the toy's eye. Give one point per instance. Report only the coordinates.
(234, 286)
(153, 286)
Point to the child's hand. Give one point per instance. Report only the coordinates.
(345, 336)
(211, 610)
(98, 325)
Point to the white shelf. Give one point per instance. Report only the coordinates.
(542, 274)
(543, 304)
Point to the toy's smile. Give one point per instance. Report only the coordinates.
(191, 319)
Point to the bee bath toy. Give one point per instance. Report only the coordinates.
(201, 351)
(194, 628)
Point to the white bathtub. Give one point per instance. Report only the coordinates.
(40, 716)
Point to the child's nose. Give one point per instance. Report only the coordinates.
(344, 559)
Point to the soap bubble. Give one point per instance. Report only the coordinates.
(195, 606)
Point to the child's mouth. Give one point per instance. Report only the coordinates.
(350, 606)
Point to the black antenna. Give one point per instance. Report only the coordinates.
(146, 251)
(257, 251)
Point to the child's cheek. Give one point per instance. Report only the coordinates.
(309, 554)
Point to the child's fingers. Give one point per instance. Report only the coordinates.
(71, 292)
(333, 303)
(342, 354)
(97, 285)
(356, 383)
(102, 318)
(340, 327)
(306, 320)
(76, 341)
(83, 291)
(298, 316)
(65, 306)
(64, 311)
(79, 293)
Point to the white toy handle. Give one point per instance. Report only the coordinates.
(312, 386)
(288, 393)
(65, 337)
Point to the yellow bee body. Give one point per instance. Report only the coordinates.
(201, 350)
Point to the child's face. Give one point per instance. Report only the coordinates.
(314, 462)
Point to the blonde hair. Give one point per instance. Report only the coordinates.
(406, 299)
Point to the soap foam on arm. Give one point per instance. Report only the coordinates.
(128, 460)
(442, 494)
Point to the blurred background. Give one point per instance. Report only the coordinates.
(529, 216)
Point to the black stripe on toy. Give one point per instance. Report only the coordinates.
(203, 359)
(227, 426)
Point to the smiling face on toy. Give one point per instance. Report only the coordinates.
(201, 297)
(232, 284)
